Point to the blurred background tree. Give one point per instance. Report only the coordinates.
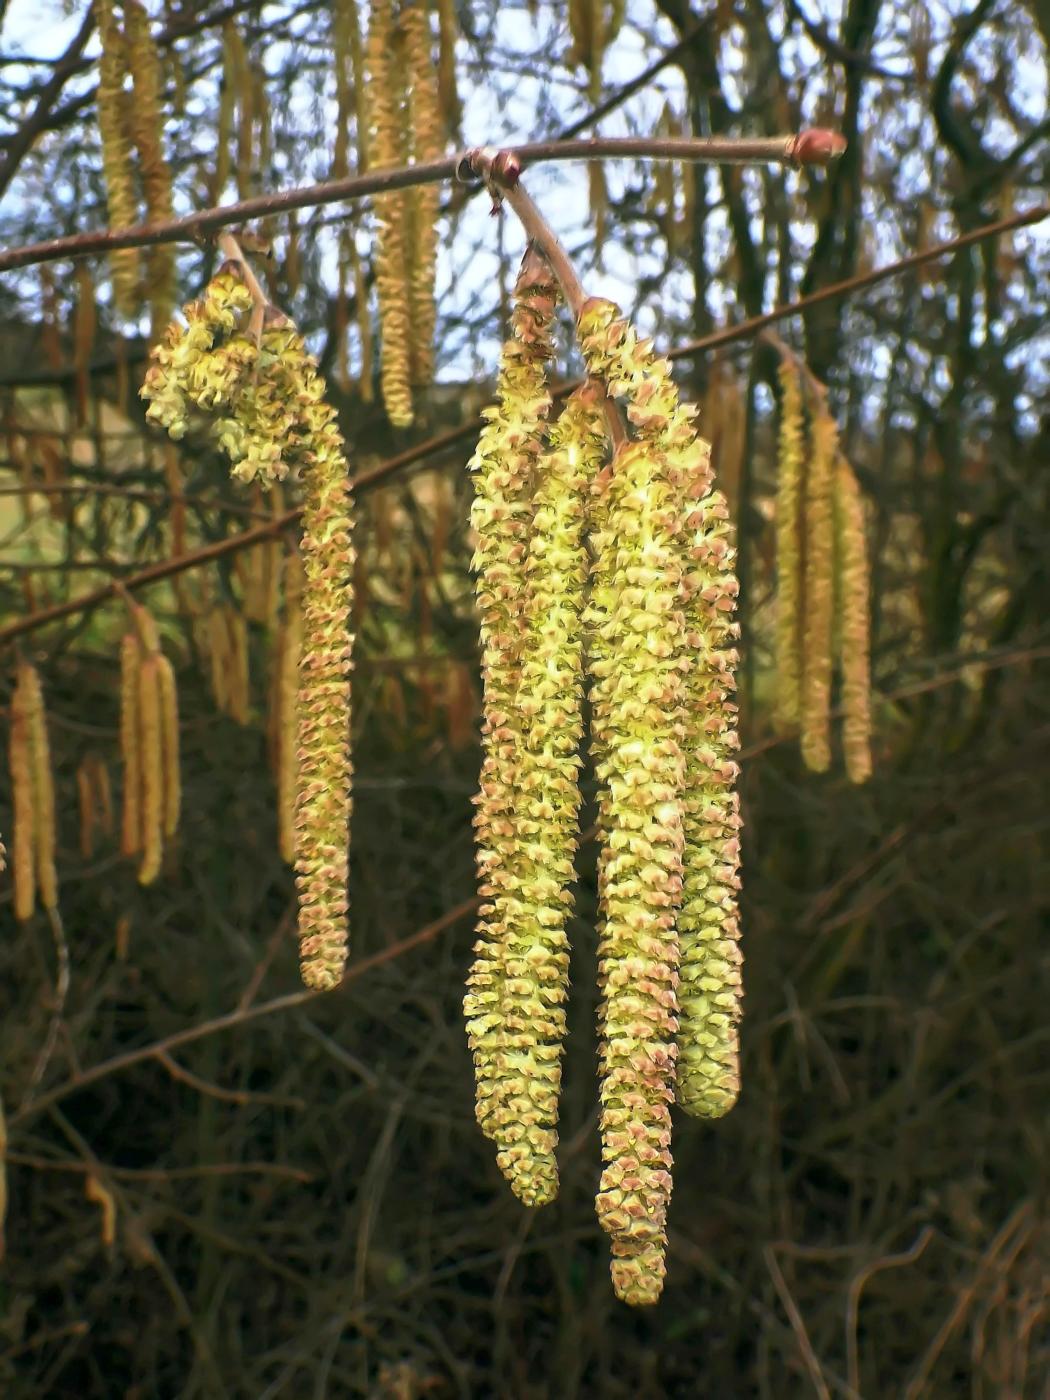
(219, 1186)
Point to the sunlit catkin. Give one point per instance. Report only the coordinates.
(789, 523)
(853, 631)
(504, 467)
(121, 201)
(271, 421)
(536, 945)
(286, 725)
(819, 606)
(23, 839)
(130, 746)
(660, 613)
(390, 268)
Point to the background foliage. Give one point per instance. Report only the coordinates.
(297, 1201)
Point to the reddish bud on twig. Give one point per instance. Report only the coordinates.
(816, 147)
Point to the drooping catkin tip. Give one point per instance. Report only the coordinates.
(638, 1272)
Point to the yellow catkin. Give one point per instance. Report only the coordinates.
(504, 466)
(22, 836)
(130, 745)
(169, 735)
(384, 150)
(86, 807)
(121, 202)
(227, 112)
(146, 120)
(428, 144)
(152, 750)
(819, 608)
(789, 524)
(448, 96)
(43, 786)
(854, 628)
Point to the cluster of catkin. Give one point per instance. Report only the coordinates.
(130, 91)
(615, 575)
(405, 124)
(822, 581)
(149, 746)
(263, 403)
(33, 798)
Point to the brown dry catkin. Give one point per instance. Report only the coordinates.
(152, 758)
(819, 610)
(130, 746)
(23, 836)
(853, 631)
(43, 787)
(394, 309)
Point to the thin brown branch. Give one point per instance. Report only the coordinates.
(218, 1091)
(238, 1017)
(395, 466)
(49, 1164)
(812, 147)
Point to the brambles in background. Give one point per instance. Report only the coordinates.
(263, 403)
(33, 798)
(822, 581)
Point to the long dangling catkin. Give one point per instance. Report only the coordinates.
(238, 691)
(789, 523)
(394, 306)
(854, 631)
(147, 131)
(819, 586)
(23, 838)
(43, 786)
(448, 96)
(535, 942)
(269, 422)
(428, 144)
(121, 202)
(662, 572)
(152, 759)
(130, 745)
(504, 466)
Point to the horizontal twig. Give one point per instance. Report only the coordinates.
(414, 456)
(813, 147)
